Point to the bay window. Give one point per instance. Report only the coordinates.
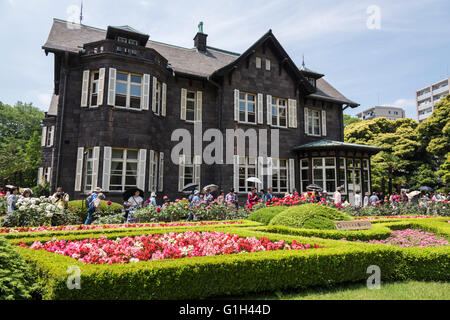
(304, 174)
(324, 173)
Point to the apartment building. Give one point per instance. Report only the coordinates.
(388, 112)
(428, 97)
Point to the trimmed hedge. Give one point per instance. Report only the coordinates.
(236, 274)
(378, 232)
(265, 215)
(195, 278)
(309, 216)
(80, 207)
(15, 276)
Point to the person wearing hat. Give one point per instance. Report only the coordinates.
(152, 200)
(61, 197)
(92, 204)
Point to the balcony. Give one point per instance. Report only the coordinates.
(123, 49)
(424, 106)
(424, 96)
(441, 90)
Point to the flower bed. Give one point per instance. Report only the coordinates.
(112, 226)
(159, 247)
(412, 238)
(394, 217)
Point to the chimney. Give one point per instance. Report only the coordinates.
(200, 39)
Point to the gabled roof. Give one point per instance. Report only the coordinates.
(70, 37)
(269, 37)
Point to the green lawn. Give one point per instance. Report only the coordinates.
(409, 290)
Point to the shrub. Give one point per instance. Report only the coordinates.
(112, 219)
(265, 215)
(15, 275)
(309, 216)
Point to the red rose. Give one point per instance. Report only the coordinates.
(158, 209)
(165, 197)
(109, 203)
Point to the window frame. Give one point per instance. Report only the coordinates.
(91, 87)
(311, 123)
(124, 175)
(304, 168)
(246, 101)
(277, 107)
(276, 170)
(244, 163)
(324, 168)
(128, 95)
(88, 159)
(194, 100)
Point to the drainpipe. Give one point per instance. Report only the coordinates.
(220, 102)
(66, 73)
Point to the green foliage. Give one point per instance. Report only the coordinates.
(444, 173)
(20, 144)
(379, 232)
(309, 216)
(348, 120)
(401, 149)
(16, 280)
(41, 190)
(265, 215)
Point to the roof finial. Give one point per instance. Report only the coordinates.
(81, 12)
(200, 27)
(303, 62)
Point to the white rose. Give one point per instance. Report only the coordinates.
(49, 214)
(22, 208)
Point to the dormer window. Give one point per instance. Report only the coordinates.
(312, 81)
(133, 42)
(121, 39)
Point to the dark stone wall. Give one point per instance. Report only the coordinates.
(114, 127)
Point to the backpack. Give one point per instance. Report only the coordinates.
(87, 202)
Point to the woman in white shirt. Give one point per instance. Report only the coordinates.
(358, 199)
(135, 202)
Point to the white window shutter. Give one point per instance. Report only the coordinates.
(260, 108)
(112, 87)
(79, 169)
(292, 113)
(199, 106)
(269, 109)
(258, 62)
(52, 136)
(236, 105)
(261, 171)
(164, 99)
(197, 169)
(181, 163)
(183, 104)
(306, 121)
(96, 160)
(155, 83)
(44, 137)
(269, 172)
(101, 86)
(236, 174)
(142, 159)
(40, 173)
(291, 175)
(161, 172)
(324, 123)
(151, 173)
(49, 175)
(107, 151)
(145, 92)
(85, 88)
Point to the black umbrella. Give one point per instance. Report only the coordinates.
(130, 192)
(314, 187)
(190, 186)
(426, 189)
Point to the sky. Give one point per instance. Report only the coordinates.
(374, 52)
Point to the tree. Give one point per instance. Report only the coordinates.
(20, 148)
(399, 141)
(348, 120)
